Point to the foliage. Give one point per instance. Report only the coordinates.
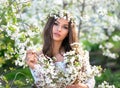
(18, 78)
(112, 78)
(22, 21)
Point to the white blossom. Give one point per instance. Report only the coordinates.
(108, 53)
(102, 11)
(105, 84)
(108, 45)
(49, 73)
(116, 38)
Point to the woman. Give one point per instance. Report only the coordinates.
(59, 33)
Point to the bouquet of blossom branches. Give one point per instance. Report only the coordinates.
(76, 66)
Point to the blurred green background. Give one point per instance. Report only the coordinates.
(22, 23)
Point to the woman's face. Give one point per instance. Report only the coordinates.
(60, 29)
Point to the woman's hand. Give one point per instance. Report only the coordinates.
(80, 85)
(31, 58)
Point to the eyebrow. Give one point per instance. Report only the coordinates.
(59, 22)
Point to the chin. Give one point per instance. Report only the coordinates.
(56, 39)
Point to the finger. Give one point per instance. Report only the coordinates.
(34, 59)
(31, 63)
(31, 55)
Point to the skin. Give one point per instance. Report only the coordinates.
(31, 58)
(80, 85)
(59, 31)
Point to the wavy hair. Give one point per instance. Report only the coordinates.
(48, 37)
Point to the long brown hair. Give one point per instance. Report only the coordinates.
(48, 39)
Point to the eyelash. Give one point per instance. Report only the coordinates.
(58, 24)
(66, 27)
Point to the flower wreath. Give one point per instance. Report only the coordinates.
(62, 14)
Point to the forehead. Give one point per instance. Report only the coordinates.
(62, 20)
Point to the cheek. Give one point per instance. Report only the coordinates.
(53, 28)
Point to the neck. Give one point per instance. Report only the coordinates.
(56, 48)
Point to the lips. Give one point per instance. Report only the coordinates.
(57, 34)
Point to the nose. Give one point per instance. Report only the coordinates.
(59, 28)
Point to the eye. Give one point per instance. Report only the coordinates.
(65, 27)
